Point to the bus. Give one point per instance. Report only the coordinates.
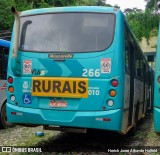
(157, 88)
(4, 51)
(76, 68)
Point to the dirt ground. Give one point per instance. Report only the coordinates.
(144, 140)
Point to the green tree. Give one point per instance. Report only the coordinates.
(22, 5)
(142, 23)
(86, 2)
(151, 5)
(6, 17)
(101, 2)
(117, 6)
(59, 3)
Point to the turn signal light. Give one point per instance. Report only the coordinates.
(112, 93)
(114, 83)
(11, 89)
(10, 80)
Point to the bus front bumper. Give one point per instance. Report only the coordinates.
(107, 120)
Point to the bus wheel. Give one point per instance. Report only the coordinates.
(3, 118)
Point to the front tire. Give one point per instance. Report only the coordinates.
(3, 118)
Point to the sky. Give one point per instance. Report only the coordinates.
(140, 4)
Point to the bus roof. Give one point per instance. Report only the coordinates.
(4, 43)
(68, 9)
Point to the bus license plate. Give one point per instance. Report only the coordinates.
(58, 104)
(60, 87)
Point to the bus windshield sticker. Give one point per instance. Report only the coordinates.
(26, 87)
(39, 72)
(60, 56)
(26, 99)
(27, 67)
(43, 72)
(36, 72)
(106, 65)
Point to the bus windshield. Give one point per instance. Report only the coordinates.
(67, 32)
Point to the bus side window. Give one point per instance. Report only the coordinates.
(1, 48)
(139, 65)
(144, 71)
(127, 65)
(3, 62)
(136, 64)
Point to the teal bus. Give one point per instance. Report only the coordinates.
(76, 68)
(157, 88)
(4, 52)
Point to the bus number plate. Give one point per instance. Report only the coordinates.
(58, 104)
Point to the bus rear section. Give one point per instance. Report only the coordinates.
(69, 74)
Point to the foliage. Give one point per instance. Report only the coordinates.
(58, 3)
(116, 6)
(151, 5)
(142, 22)
(100, 3)
(85, 2)
(6, 17)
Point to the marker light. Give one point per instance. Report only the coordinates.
(114, 83)
(106, 119)
(12, 98)
(10, 80)
(158, 79)
(11, 89)
(110, 103)
(112, 93)
(13, 113)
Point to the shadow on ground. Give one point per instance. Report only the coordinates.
(99, 140)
